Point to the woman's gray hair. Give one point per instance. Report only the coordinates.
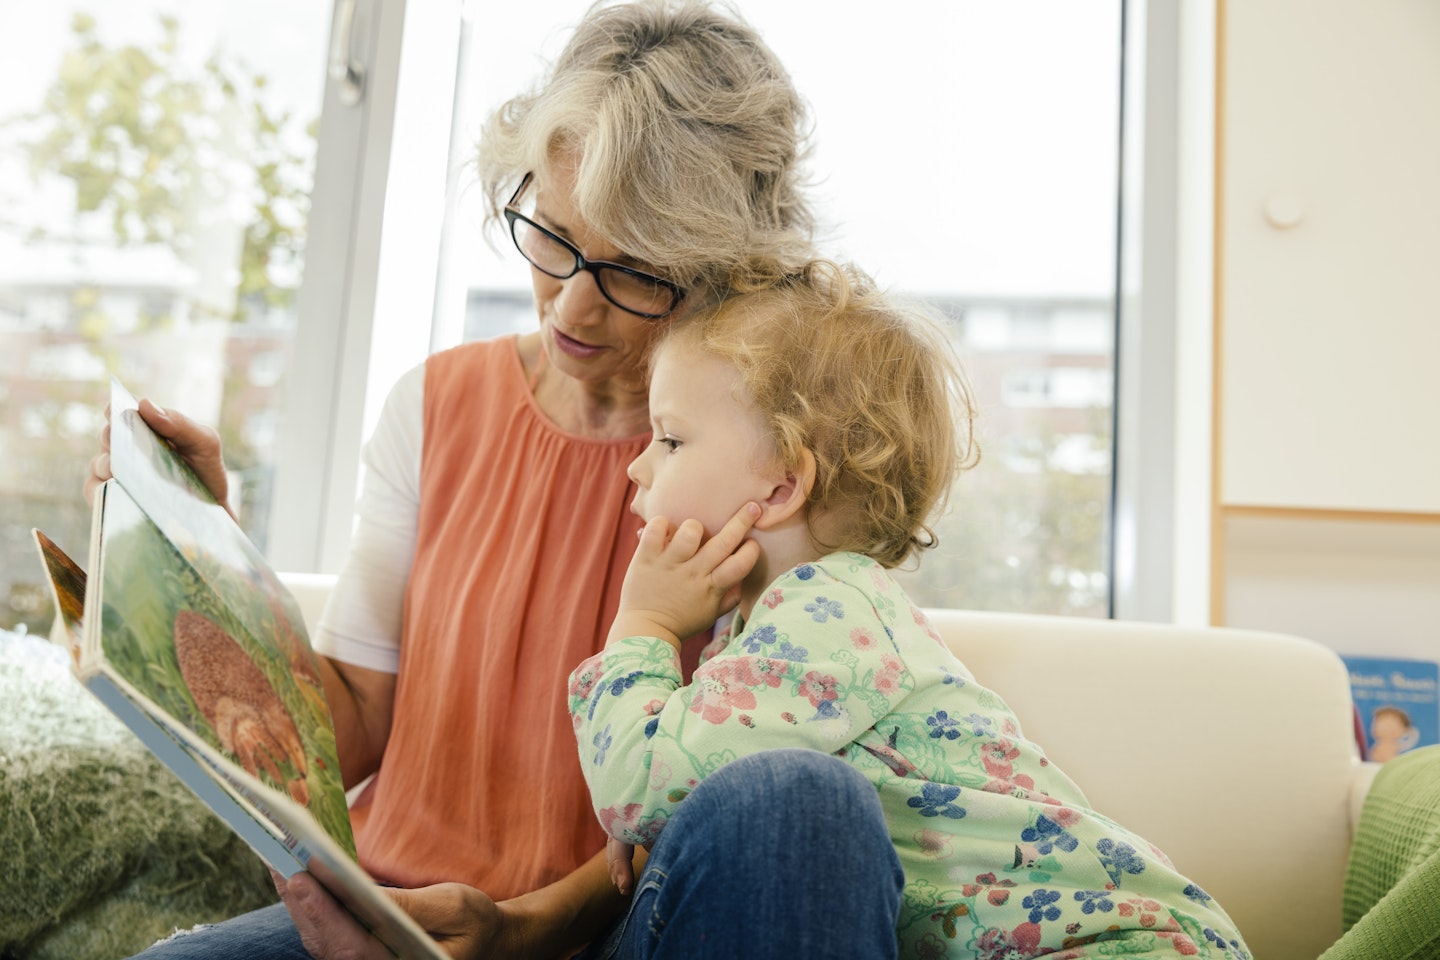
(689, 137)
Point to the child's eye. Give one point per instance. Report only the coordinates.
(669, 442)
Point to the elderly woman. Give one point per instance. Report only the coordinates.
(655, 168)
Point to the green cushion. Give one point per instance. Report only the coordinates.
(104, 850)
(1392, 882)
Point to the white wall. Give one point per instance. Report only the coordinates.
(1327, 510)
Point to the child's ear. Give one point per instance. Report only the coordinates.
(789, 495)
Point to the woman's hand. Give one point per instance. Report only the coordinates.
(462, 920)
(678, 585)
(197, 445)
(553, 921)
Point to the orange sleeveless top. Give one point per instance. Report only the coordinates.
(523, 538)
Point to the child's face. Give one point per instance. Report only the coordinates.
(1387, 726)
(711, 452)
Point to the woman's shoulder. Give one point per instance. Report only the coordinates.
(458, 377)
(467, 357)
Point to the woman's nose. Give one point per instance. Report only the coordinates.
(580, 301)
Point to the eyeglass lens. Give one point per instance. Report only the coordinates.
(634, 292)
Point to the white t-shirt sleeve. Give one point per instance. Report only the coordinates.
(362, 617)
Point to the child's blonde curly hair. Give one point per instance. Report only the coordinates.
(868, 383)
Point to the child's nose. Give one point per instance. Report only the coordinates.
(634, 470)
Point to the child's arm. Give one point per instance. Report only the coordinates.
(813, 668)
(676, 585)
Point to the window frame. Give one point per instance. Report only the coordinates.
(371, 260)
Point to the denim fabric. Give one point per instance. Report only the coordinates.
(783, 854)
(265, 934)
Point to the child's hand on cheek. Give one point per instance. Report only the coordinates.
(678, 585)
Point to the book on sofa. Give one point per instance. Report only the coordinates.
(1398, 702)
(184, 632)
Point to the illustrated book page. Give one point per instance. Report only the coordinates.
(186, 634)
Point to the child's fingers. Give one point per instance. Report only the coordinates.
(686, 541)
(730, 536)
(654, 535)
(619, 857)
(730, 571)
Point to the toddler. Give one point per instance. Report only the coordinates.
(834, 420)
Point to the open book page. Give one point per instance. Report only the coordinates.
(186, 634)
(283, 833)
(197, 621)
(212, 655)
(180, 755)
(169, 493)
(67, 589)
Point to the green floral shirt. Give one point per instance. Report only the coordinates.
(1003, 857)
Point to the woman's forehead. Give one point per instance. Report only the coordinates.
(552, 201)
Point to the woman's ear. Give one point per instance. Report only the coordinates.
(790, 494)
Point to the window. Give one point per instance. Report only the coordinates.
(962, 153)
(155, 169)
(998, 122)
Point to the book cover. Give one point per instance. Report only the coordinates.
(186, 634)
(1398, 701)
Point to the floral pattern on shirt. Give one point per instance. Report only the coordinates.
(1003, 857)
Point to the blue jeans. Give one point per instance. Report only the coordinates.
(783, 854)
(265, 934)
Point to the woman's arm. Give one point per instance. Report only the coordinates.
(362, 706)
(358, 636)
(553, 921)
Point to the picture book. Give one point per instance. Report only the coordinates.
(1398, 701)
(185, 633)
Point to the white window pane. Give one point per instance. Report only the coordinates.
(965, 151)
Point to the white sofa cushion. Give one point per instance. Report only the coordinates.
(1231, 750)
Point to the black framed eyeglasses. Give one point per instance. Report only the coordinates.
(633, 291)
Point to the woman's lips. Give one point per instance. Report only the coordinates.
(572, 347)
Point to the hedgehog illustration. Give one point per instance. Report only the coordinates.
(238, 702)
(297, 651)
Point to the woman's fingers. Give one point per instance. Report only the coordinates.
(464, 921)
(326, 928)
(197, 445)
(99, 473)
(100, 463)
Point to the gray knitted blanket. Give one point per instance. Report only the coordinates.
(102, 850)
